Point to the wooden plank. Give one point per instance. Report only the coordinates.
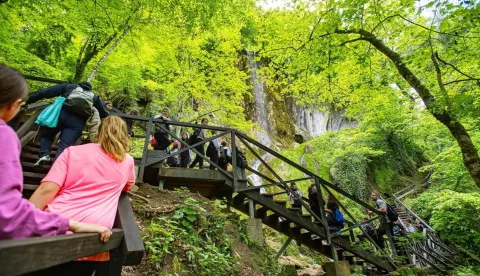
(34, 175)
(132, 249)
(141, 171)
(27, 138)
(30, 187)
(37, 145)
(27, 125)
(27, 255)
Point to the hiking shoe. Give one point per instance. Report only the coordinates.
(42, 160)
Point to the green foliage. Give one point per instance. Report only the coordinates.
(195, 235)
(454, 215)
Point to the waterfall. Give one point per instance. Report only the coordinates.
(259, 95)
(261, 116)
(312, 121)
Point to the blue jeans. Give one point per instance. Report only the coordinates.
(70, 127)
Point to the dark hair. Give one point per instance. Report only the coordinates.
(224, 143)
(134, 112)
(204, 120)
(12, 85)
(409, 220)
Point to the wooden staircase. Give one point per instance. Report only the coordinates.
(21, 256)
(33, 175)
(430, 253)
(303, 228)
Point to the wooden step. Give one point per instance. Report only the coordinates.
(36, 150)
(37, 145)
(30, 187)
(34, 175)
(33, 157)
(281, 202)
(29, 166)
(294, 209)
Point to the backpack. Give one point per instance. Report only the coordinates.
(193, 138)
(224, 158)
(80, 102)
(391, 213)
(211, 150)
(241, 160)
(297, 201)
(172, 161)
(339, 219)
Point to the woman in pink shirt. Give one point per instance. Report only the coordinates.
(85, 182)
(18, 217)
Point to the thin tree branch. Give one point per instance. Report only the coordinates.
(421, 26)
(453, 66)
(462, 80)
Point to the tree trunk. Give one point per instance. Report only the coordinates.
(470, 156)
(109, 51)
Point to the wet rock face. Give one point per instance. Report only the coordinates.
(311, 121)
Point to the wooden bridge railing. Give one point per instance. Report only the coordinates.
(236, 138)
(33, 254)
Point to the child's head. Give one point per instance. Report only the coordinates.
(113, 137)
(13, 92)
(224, 143)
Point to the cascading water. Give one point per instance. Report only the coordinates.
(311, 121)
(259, 95)
(261, 111)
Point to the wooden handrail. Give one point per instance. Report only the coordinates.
(132, 248)
(411, 212)
(27, 255)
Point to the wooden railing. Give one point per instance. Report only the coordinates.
(33, 254)
(236, 138)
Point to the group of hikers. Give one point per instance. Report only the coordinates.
(80, 193)
(217, 152)
(81, 190)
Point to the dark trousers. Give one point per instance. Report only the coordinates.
(184, 159)
(198, 159)
(70, 127)
(214, 159)
(85, 268)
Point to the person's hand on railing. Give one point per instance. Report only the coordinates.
(81, 227)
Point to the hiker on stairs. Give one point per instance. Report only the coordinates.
(225, 156)
(75, 111)
(199, 135)
(161, 136)
(213, 150)
(18, 217)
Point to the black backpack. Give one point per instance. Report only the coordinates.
(224, 158)
(391, 213)
(193, 138)
(211, 150)
(241, 160)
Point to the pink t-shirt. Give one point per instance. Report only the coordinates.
(90, 184)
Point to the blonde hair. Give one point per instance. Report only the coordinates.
(113, 137)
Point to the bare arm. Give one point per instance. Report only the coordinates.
(44, 194)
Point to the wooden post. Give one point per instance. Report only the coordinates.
(145, 150)
(324, 220)
(234, 162)
(284, 246)
(386, 226)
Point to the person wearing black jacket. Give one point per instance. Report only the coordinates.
(163, 142)
(70, 124)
